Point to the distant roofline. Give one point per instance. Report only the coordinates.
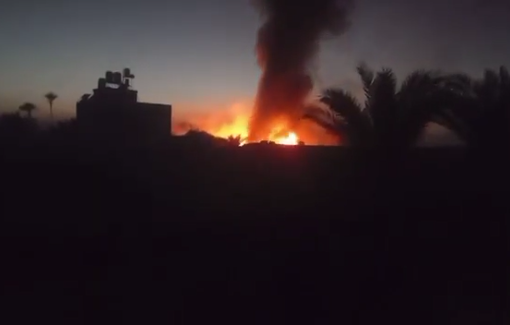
(154, 104)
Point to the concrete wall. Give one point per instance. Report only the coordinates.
(129, 122)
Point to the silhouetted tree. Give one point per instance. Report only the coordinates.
(234, 140)
(11, 122)
(50, 97)
(481, 114)
(13, 127)
(198, 137)
(64, 128)
(65, 132)
(27, 108)
(391, 117)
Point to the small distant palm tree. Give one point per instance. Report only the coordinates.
(51, 96)
(391, 117)
(481, 114)
(28, 108)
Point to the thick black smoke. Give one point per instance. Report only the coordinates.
(287, 43)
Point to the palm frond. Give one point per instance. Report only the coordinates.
(326, 119)
(51, 96)
(480, 113)
(27, 107)
(385, 81)
(429, 87)
(420, 83)
(458, 83)
(340, 102)
(367, 77)
(346, 107)
(355, 124)
(384, 86)
(382, 105)
(414, 106)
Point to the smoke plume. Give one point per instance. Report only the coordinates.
(287, 43)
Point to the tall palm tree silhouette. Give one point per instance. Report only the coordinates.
(28, 108)
(391, 117)
(51, 96)
(481, 114)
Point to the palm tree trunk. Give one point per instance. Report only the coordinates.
(51, 111)
(29, 112)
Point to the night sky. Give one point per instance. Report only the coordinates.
(199, 53)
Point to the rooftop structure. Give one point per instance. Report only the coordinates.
(112, 111)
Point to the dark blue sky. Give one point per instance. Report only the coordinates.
(195, 52)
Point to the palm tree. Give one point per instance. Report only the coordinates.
(28, 108)
(51, 96)
(481, 115)
(391, 117)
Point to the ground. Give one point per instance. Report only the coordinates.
(252, 235)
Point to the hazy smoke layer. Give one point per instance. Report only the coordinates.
(287, 42)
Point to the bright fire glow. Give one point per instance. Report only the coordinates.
(239, 127)
(234, 122)
(290, 139)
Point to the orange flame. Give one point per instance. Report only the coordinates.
(291, 139)
(235, 121)
(224, 120)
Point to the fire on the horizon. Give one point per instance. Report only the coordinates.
(238, 126)
(234, 122)
(289, 139)
(287, 42)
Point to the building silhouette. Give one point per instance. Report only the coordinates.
(112, 112)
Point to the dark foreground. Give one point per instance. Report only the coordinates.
(252, 236)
